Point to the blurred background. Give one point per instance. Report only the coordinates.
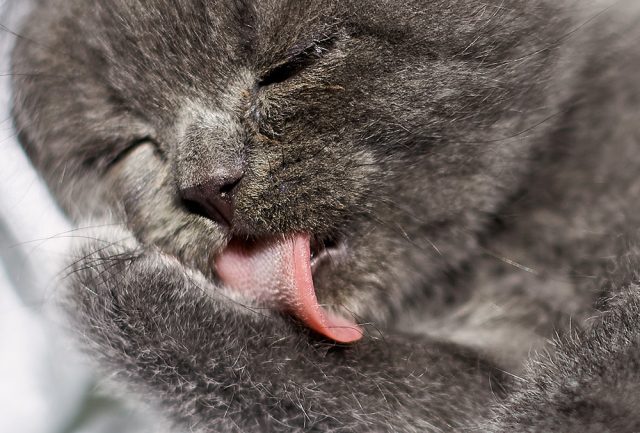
(45, 384)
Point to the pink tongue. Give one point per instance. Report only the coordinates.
(278, 273)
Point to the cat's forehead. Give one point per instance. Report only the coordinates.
(156, 52)
(222, 31)
(248, 18)
(265, 25)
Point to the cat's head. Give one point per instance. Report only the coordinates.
(383, 132)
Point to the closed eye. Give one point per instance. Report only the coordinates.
(122, 153)
(298, 60)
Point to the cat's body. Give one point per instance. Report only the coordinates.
(471, 166)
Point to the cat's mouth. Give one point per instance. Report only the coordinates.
(326, 252)
(279, 272)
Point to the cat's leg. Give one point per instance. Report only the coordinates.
(591, 381)
(217, 365)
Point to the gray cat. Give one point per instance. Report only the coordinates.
(349, 216)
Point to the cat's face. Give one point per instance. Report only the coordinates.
(385, 130)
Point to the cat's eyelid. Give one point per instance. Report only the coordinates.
(130, 147)
(297, 59)
(318, 45)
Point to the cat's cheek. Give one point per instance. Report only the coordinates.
(142, 194)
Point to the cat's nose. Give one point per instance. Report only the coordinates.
(215, 197)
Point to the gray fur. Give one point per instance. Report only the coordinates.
(478, 159)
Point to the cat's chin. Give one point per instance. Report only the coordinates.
(278, 272)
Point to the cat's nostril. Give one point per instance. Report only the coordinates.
(214, 198)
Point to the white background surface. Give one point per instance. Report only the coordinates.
(44, 385)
